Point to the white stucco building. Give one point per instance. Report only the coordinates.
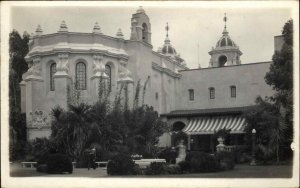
(200, 101)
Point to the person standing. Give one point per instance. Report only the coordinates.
(91, 158)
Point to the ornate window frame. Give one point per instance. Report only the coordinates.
(80, 75)
(52, 70)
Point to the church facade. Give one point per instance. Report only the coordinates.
(197, 101)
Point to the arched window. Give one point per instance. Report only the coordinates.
(145, 32)
(222, 60)
(178, 126)
(108, 73)
(233, 91)
(211, 93)
(80, 76)
(52, 72)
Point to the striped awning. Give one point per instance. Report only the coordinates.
(209, 125)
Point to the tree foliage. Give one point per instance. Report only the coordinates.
(273, 118)
(110, 127)
(18, 49)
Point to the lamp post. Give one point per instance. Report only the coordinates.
(253, 163)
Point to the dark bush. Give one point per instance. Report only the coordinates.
(121, 164)
(184, 166)
(38, 150)
(242, 155)
(226, 160)
(202, 162)
(82, 163)
(172, 169)
(42, 168)
(169, 154)
(59, 163)
(156, 168)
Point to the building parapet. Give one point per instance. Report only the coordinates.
(240, 65)
(165, 70)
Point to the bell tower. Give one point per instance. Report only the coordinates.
(140, 26)
(226, 52)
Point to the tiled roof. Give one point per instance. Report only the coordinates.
(209, 111)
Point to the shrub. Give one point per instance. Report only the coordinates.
(156, 168)
(172, 169)
(82, 163)
(121, 164)
(242, 154)
(169, 154)
(38, 150)
(202, 162)
(59, 163)
(226, 160)
(42, 168)
(184, 166)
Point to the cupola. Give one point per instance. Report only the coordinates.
(226, 52)
(167, 49)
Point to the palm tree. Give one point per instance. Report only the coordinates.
(70, 130)
(270, 126)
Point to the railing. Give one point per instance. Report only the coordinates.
(229, 148)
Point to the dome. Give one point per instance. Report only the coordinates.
(225, 40)
(168, 49)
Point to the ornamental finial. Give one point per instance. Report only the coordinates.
(97, 28)
(167, 29)
(225, 19)
(120, 34)
(63, 27)
(39, 30)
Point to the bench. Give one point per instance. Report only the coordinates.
(143, 163)
(25, 164)
(99, 164)
(102, 164)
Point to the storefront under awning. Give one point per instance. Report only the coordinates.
(211, 124)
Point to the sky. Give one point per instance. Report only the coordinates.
(193, 29)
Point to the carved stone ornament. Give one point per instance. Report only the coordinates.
(124, 74)
(99, 66)
(63, 63)
(39, 119)
(34, 66)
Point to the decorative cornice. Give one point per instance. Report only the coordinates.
(165, 70)
(225, 49)
(72, 51)
(171, 60)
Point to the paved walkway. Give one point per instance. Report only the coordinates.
(240, 171)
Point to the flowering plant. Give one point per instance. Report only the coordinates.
(136, 157)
